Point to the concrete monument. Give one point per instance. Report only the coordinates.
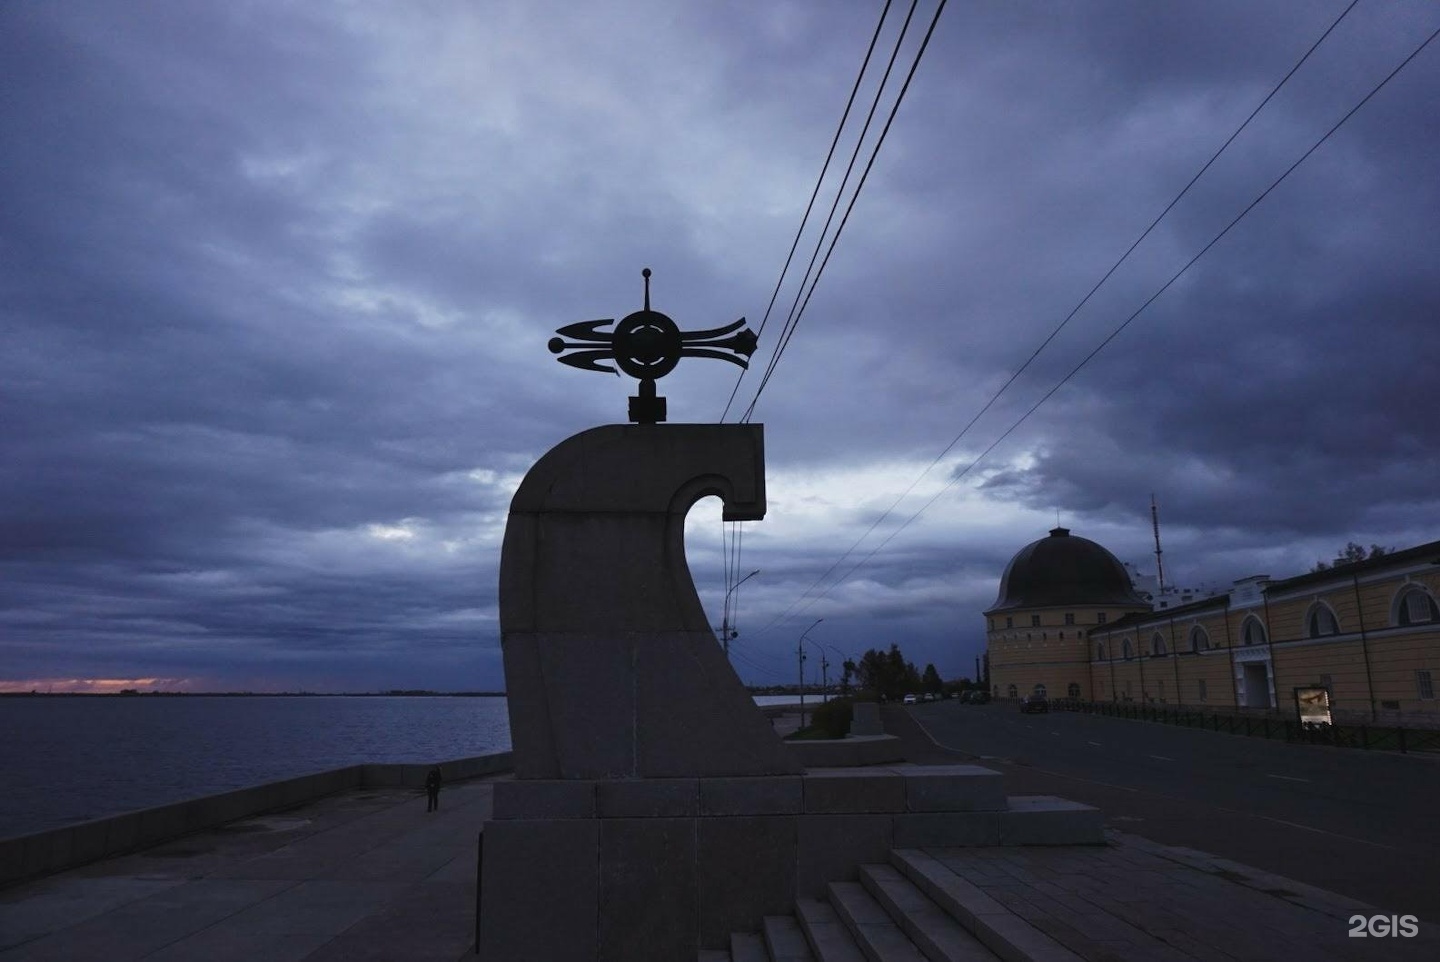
(654, 810)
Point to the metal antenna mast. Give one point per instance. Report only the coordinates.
(1155, 523)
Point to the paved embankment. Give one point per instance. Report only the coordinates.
(364, 874)
(44, 853)
(368, 874)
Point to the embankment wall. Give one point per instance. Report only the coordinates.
(43, 853)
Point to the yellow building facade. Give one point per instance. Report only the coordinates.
(1368, 633)
(1053, 595)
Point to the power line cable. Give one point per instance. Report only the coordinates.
(790, 318)
(865, 64)
(1126, 323)
(1076, 309)
(732, 563)
(870, 164)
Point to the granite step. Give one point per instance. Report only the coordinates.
(829, 939)
(785, 940)
(748, 947)
(935, 933)
(880, 939)
(1002, 931)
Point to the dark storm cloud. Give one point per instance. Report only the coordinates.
(275, 286)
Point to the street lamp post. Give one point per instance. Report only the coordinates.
(726, 633)
(800, 654)
(824, 668)
(843, 657)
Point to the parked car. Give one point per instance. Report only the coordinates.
(1034, 703)
(977, 696)
(910, 699)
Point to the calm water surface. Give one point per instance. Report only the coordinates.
(67, 760)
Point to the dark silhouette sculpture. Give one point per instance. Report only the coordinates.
(432, 789)
(647, 345)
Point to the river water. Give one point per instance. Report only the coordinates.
(66, 760)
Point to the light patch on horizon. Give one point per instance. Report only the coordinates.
(94, 686)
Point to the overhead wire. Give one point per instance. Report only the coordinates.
(790, 319)
(955, 479)
(789, 333)
(732, 572)
(1074, 311)
(824, 168)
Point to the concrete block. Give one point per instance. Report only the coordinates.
(865, 719)
(89, 840)
(1047, 820)
(611, 665)
(851, 752)
(826, 932)
(545, 798)
(122, 833)
(833, 847)
(746, 871)
(784, 939)
(60, 849)
(12, 859)
(540, 887)
(587, 688)
(953, 788)
(835, 791)
(648, 798)
(698, 718)
(752, 795)
(648, 890)
(748, 947)
(948, 829)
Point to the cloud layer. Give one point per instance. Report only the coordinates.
(275, 285)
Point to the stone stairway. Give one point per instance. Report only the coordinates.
(913, 909)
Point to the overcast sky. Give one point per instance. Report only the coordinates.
(276, 282)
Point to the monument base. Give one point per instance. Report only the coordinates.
(658, 869)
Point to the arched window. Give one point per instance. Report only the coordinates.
(1414, 606)
(1012, 691)
(1040, 690)
(1199, 641)
(1253, 633)
(1157, 644)
(1126, 651)
(1100, 651)
(1320, 621)
(1073, 691)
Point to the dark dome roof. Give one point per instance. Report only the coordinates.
(1064, 570)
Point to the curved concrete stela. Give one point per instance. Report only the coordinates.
(611, 667)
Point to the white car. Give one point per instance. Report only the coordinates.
(910, 699)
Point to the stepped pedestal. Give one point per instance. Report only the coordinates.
(643, 869)
(655, 810)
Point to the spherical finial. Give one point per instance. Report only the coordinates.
(645, 273)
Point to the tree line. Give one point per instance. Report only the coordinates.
(889, 675)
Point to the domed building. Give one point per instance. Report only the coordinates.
(1054, 592)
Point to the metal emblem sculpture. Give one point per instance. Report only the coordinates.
(647, 345)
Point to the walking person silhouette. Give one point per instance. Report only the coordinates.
(432, 789)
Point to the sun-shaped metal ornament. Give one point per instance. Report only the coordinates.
(647, 345)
